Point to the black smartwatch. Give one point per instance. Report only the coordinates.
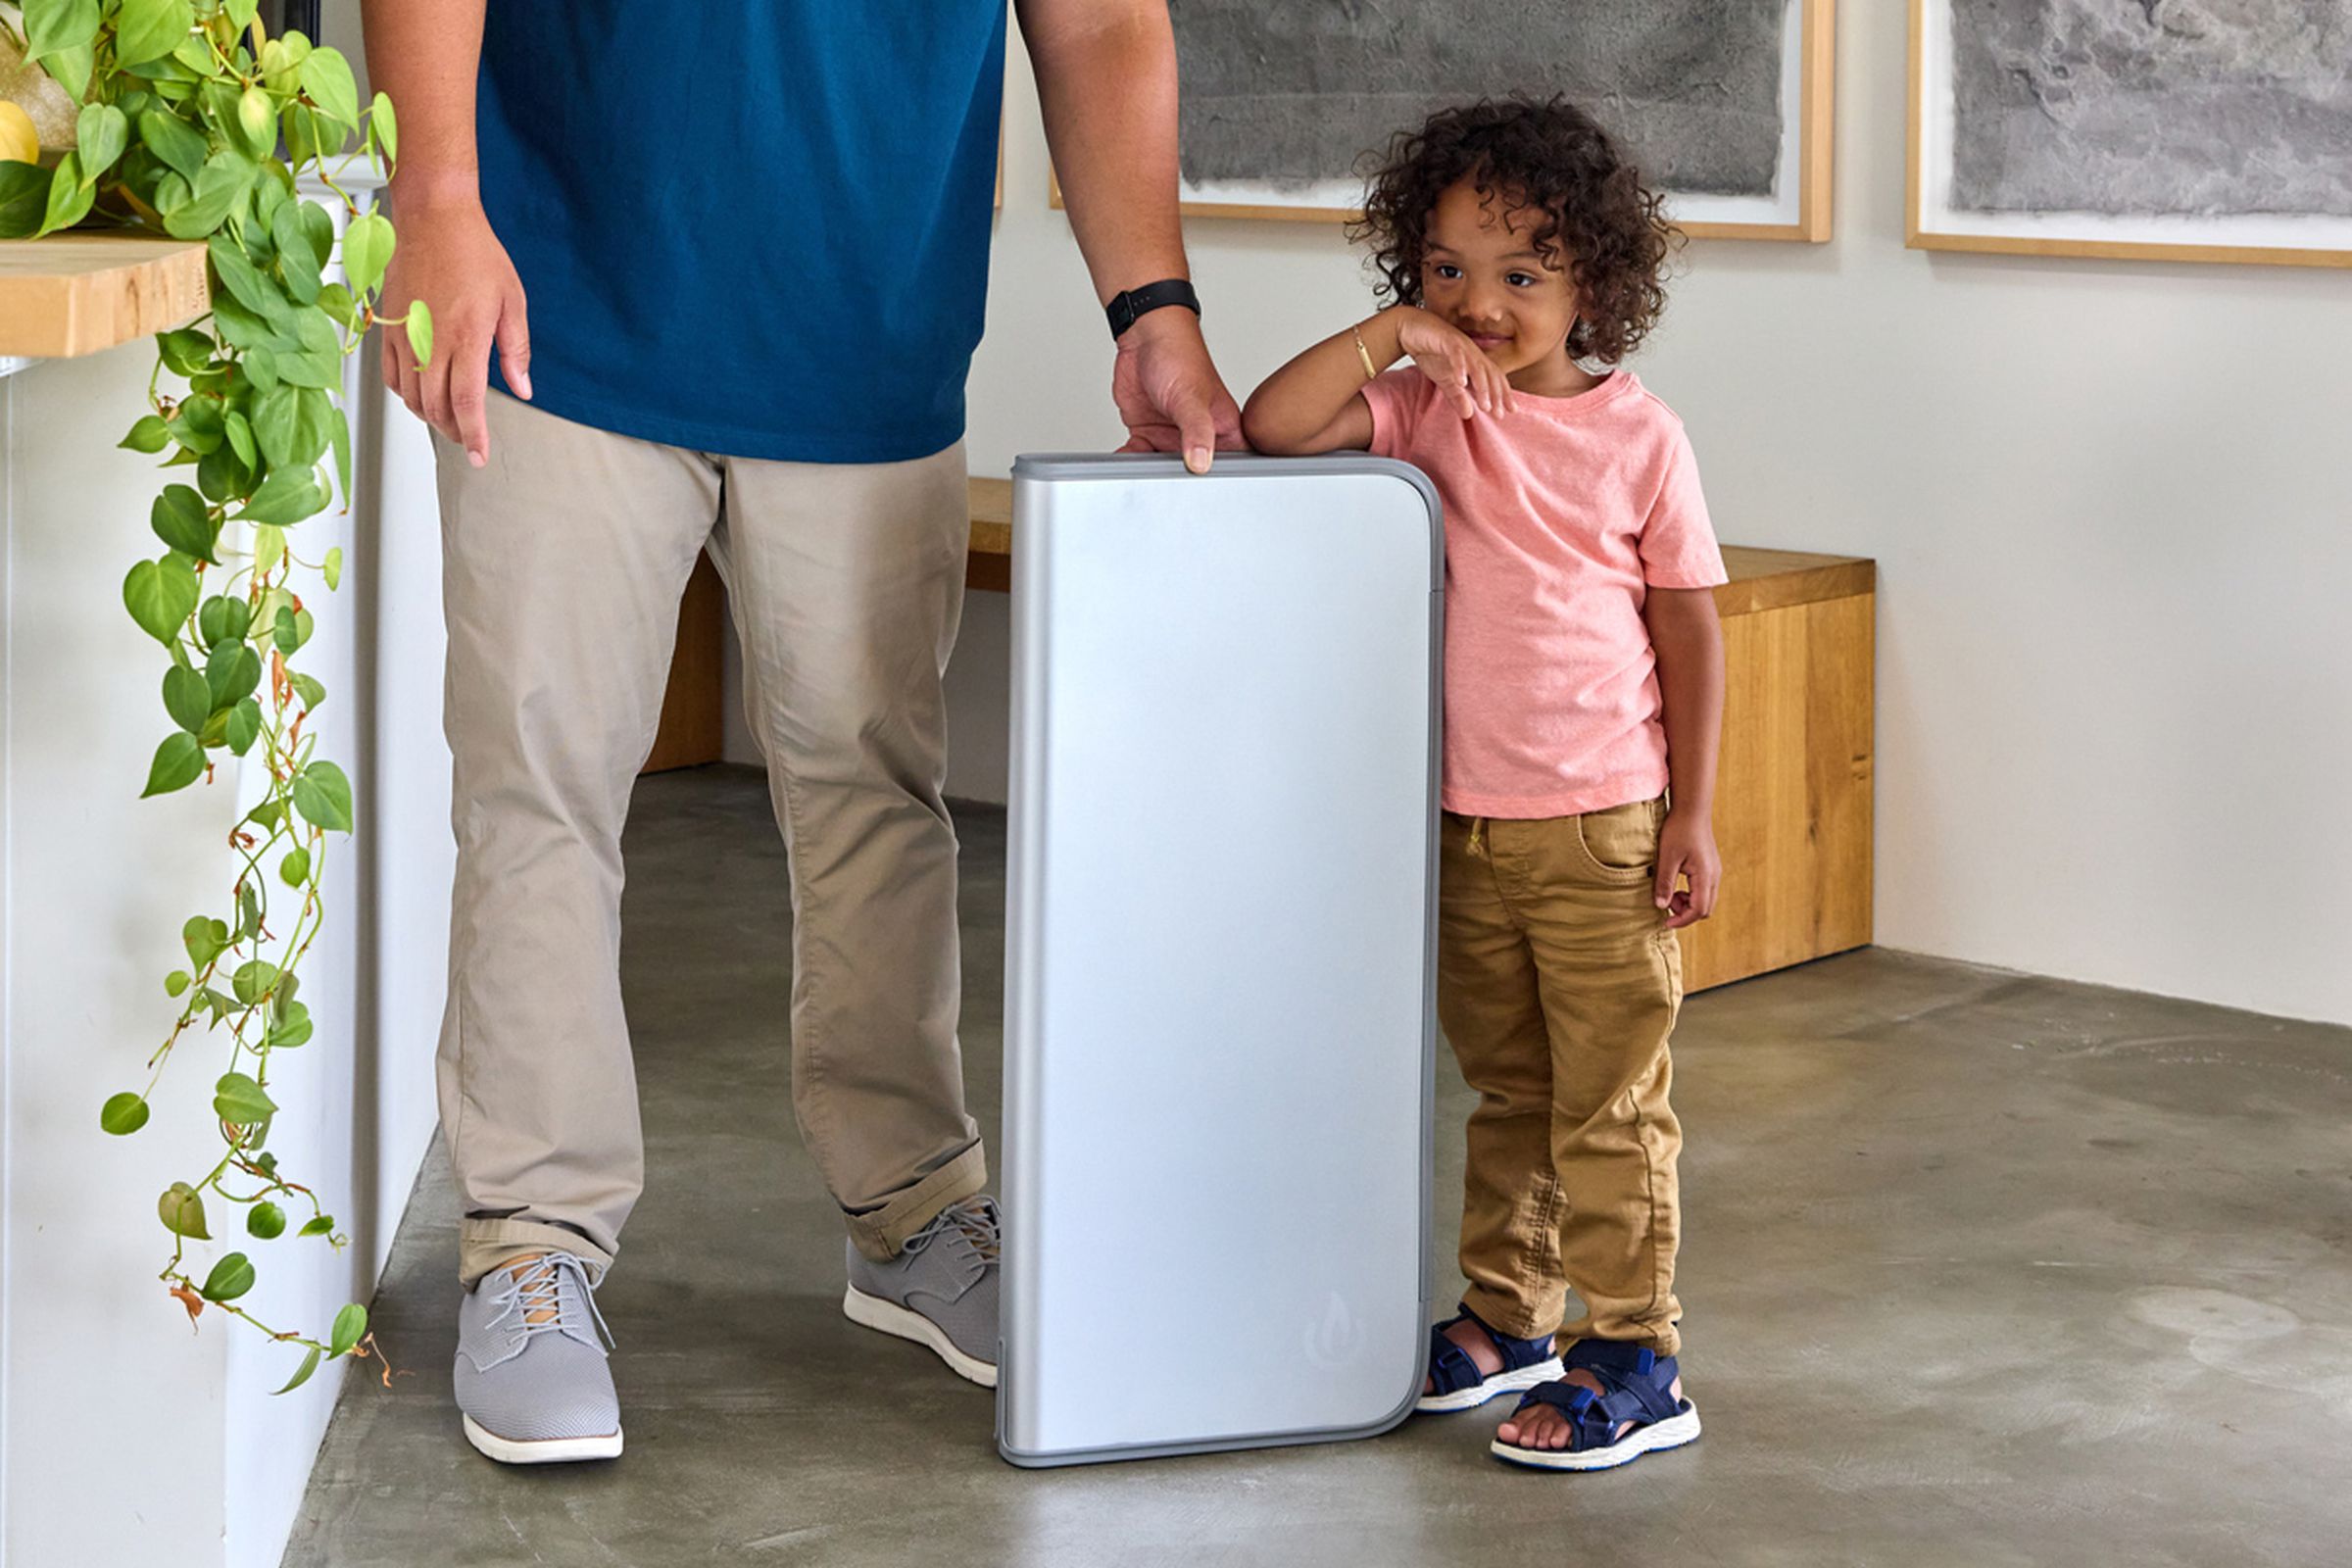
(1131, 302)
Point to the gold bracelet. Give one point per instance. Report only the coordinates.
(1364, 354)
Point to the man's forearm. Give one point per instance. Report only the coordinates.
(1107, 81)
(425, 55)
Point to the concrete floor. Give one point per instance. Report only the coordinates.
(1978, 1269)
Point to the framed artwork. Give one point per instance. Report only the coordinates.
(1726, 106)
(2158, 129)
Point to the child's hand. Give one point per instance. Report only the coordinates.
(1466, 379)
(1686, 848)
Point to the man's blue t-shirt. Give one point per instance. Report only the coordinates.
(756, 227)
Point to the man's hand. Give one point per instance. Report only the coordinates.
(1686, 848)
(1169, 394)
(449, 258)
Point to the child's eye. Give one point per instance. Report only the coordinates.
(1520, 279)
(1447, 271)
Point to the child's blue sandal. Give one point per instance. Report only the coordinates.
(1639, 1384)
(1455, 1382)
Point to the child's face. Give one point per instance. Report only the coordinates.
(1480, 271)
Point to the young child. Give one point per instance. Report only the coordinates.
(1583, 689)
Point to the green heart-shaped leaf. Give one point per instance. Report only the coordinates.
(148, 435)
(178, 763)
(181, 1210)
(99, 137)
(238, 1098)
(244, 726)
(187, 698)
(302, 1374)
(323, 794)
(366, 251)
(150, 30)
(123, 1115)
(171, 139)
(229, 1279)
(351, 1324)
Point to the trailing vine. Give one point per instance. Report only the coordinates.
(191, 123)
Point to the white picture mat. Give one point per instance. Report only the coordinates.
(1937, 132)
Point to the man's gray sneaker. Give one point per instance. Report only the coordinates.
(536, 1393)
(940, 1290)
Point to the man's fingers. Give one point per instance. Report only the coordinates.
(433, 386)
(1197, 429)
(1681, 913)
(468, 390)
(412, 388)
(515, 346)
(1229, 422)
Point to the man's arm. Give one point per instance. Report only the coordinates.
(425, 55)
(1106, 79)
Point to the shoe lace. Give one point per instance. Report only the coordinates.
(538, 1288)
(975, 1218)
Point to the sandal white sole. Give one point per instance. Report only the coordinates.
(873, 1312)
(1478, 1393)
(1670, 1433)
(548, 1450)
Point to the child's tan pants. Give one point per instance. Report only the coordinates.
(1557, 985)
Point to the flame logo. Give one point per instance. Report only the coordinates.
(1336, 1338)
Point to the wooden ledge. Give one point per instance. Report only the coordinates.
(78, 293)
(1761, 579)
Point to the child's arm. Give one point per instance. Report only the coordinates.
(1314, 403)
(1688, 640)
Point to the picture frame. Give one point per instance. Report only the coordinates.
(1941, 216)
(1798, 210)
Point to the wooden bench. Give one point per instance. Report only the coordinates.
(1792, 809)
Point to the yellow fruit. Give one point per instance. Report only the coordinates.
(19, 142)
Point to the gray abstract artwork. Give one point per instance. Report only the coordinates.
(2143, 107)
(1292, 93)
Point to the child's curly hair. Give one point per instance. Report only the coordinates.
(1550, 156)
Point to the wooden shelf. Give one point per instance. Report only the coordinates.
(76, 293)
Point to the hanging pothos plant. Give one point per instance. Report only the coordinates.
(191, 123)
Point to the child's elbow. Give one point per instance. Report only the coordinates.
(1262, 432)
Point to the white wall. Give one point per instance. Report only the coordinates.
(123, 1436)
(2109, 501)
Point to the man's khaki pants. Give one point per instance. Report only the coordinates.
(564, 560)
(1558, 987)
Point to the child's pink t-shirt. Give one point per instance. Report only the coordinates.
(1560, 516)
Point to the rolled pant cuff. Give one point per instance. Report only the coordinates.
(1505, 1315)
(879, 1233)
(484, 1244)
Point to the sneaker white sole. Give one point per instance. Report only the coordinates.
(1670, 1433)
(1494, 1387)
(873, 1312)
(549, 1451)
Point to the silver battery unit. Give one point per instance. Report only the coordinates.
(1221, 956)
